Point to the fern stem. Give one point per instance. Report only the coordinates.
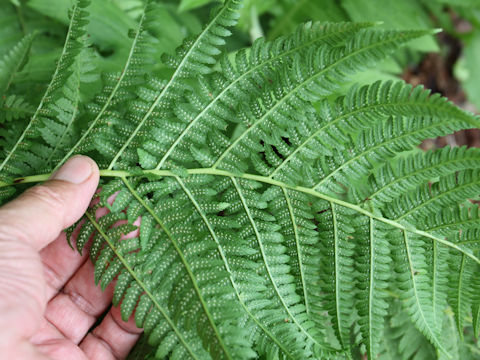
(265, 180)
(141, 284)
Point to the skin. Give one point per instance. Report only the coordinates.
(48, 300)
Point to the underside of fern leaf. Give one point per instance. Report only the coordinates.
(273, 216)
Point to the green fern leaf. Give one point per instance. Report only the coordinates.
(15, 107)
(13, 62)
(268, 216)
(21, 159)
(402, 340)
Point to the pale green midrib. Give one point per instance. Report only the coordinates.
(141, 284)
(185, 264)
(348, 114)
(385, 142)
(420, 309)
(417, 172)
(227, 267)
(265, 261)
(441, 195)
(234, 82)
(294, 90)
(262, 179)
(298, 247)
(172, 80)
(112, 93)
(46, 94)
(337, 276)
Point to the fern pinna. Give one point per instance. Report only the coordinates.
(278, 217)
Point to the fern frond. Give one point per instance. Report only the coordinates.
(402, 340)
(116, 86)
(269, 107)
(203, 286)
(476, 306)
(461, 293)
(58, 132)
(373, 280)
(331, 130)
(375, 146)
(194, 57)
(337, 260)
(310, 78)
(13, 62)
(215, 101)
(21, 159)
(159, 322)
(452, 221)
(427, 200)
(388, 182)
(410, 255)
(267, 216)
(15, 107)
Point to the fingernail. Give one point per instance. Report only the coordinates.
(76, 170)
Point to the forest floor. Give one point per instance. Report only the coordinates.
(436, 72)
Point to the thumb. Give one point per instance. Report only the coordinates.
(39, 215)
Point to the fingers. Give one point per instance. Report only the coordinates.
(76, 308)
(112, 339)
(60, 262)
(61, 349)
(42, 212)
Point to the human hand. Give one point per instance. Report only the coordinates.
(48, 301)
